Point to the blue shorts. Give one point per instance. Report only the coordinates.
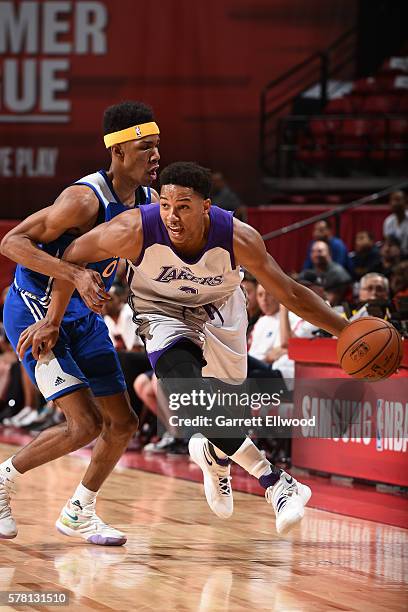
(83, 356)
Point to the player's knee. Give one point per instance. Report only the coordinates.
(84, 430)
(120, 424)
(125, 426)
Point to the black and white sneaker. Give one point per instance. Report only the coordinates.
(217, 477)
(288, 498)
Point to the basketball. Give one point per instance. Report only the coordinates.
(370, 349)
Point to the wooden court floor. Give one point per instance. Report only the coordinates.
(180, 557)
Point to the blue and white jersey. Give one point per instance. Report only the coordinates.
(164, 281)
(37, 287)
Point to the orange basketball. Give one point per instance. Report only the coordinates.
(369, 348)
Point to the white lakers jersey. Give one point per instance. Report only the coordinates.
(161, 280)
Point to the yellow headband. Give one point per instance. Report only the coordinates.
(133, 133)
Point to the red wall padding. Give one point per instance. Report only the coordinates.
(290, 250)
(6, 266)
(202, 65)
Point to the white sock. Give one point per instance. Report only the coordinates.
(249, 457)
(83, 495)
(8, 470)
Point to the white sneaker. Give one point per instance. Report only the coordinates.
(15, 420)
(288, 498)
(30, 419)
(160, 446)
(8, 527)
(83, 522)
(216, 477)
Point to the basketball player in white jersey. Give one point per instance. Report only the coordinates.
(84, 377)
(184, 259)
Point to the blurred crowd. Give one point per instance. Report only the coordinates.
(370, 280)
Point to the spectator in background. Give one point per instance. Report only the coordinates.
(366, 256)
(390, 255)
(16, 389)
(373, 297)
(396, 224)
(292, 326)
(334, 278)
(399, 280)
(249, 285)
(373, 286)
(118, 317)
(339, 252)
(265, 335)
(224, 197)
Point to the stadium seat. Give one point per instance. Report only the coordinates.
(395, 64)
(340, 106)
(380, 104)
(353, 139)
(403, 105)
(297, 199)
(312, 150)
(366, 86)
(355, 128)
(399, 128)
(333, 198)
(324, 127)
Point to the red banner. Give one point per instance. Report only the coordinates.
(371, 441)
(202, 66)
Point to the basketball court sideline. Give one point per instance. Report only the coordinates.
(179, 556)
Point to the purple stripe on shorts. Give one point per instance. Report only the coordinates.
(155, 355)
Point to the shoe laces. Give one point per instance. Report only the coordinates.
(224, 485)
(7, 487)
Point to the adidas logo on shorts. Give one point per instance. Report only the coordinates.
(59, 381)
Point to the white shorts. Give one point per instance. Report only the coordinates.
(220, 333)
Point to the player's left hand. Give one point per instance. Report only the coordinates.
(41, 336)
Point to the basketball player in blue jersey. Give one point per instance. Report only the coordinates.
(184, 259)
(82, 374)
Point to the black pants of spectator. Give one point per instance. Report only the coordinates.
(14, 400)
(261, 369)
(133, 364)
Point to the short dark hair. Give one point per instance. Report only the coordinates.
(368, 233)
(126, 114)
(187, 174)
(327, 222)
(392, 240)
(322, 240)
(309, 277)
(249, 278)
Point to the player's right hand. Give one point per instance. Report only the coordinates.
(42, 336)
(90, 287)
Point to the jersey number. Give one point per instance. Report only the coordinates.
(110, 268)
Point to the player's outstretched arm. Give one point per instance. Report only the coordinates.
(121, 237)
(250, 252)
(75, 207)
